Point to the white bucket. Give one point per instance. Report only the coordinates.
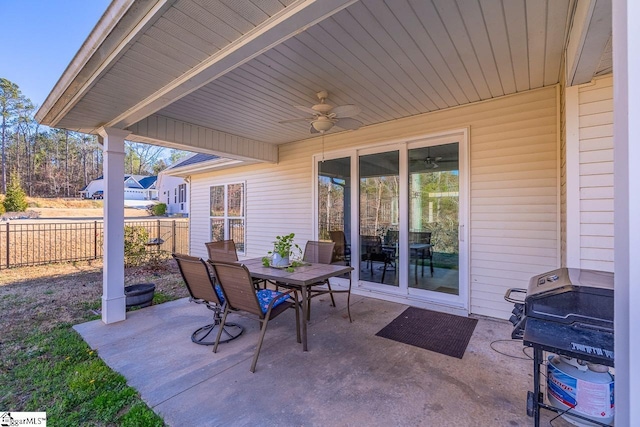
(571, 384)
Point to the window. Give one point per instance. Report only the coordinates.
(227, 212)
(182, 193)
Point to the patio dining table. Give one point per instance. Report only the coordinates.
(304, 277)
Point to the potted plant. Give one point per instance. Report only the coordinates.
(283, 250)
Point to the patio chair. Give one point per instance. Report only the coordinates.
(372, 251)
(265, 304)
(422, 237)
(195, 274)
(342, 251)
(322, 252)
(225, 251)
(222, 250)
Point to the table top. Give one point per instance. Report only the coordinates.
(305, 275)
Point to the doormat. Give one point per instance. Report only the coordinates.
(440, 332)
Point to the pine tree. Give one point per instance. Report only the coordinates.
(15, 200)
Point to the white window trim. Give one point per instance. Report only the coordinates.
(226, 216)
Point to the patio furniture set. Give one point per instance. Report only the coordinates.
(249, 288)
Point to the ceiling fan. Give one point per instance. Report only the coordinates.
(324, 116)
(431, 162)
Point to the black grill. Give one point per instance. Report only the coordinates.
(568, 312)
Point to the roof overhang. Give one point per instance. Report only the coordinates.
(219, 77)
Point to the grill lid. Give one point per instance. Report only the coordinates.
(570, 295)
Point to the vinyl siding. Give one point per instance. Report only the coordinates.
(596, 174)
(514, 190)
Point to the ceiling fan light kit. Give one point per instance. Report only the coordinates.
(325, 116)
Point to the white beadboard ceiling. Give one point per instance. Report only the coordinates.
(392, 58)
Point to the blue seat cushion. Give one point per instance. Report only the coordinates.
(265, 296)
(219, 292)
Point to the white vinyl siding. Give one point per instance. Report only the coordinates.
(514, 200)
(596, 174)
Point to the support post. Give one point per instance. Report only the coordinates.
(113, 298)
(626, 128)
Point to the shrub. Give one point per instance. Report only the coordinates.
(135, 241)
(2, 209)
(15, 200)
(159, 209)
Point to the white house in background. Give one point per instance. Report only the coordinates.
(173, 182)
(137, 188)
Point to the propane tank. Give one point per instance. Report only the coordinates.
(584, 387)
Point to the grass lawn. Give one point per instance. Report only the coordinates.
(46, 366)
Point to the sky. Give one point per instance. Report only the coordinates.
(39, 38)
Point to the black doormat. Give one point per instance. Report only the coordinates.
(440, 332)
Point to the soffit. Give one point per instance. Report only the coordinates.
(393, 58)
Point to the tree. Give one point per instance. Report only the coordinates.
(10, 101)
(140, 158)
(15, 199)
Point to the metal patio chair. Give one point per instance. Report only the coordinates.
(202, 289)
(322, 253)
(241, 296)
(225, 251)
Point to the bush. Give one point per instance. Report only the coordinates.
(158, 209)
(135, 245)
(15, 200)
(2, 209)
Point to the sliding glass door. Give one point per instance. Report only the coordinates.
(397, 215)
(379, 217)
(434, 210)
(334, 206)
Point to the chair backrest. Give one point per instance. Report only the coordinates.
(222, 250)
(318, 252)
(195, 274)
(391, 238)
(371, 244)
(420, 237)
(237, 287)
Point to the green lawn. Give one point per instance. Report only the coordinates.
(45, 366)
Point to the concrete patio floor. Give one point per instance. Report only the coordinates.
(349, 376)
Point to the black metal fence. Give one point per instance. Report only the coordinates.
(51, 242)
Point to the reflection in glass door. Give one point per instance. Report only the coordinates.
(334, 206)
(434, 208)
(379, 217)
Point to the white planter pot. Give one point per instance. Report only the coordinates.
(279, 261)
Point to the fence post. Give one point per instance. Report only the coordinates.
(173, 235)
(95, 239)
(158, 235)
(7, 245)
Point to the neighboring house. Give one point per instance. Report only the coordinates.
(173, 190)
(502, 109)
(137, 188)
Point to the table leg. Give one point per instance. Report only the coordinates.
(303, 290)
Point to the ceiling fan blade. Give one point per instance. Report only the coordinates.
(346, 110)
(301, 119)
(347, 123)
(306, 109)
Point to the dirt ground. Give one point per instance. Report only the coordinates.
(53, 213)
(38, 298)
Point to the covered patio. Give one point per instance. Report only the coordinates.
(537, 96)
(349, 376)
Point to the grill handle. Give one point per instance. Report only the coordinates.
(508, 298)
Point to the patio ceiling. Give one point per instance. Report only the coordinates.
(238, 67)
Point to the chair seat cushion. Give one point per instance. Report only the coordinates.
(220, 294)
(265, 296)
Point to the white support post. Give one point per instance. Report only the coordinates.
(626, 139)
(572, 170)
(113, 298)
